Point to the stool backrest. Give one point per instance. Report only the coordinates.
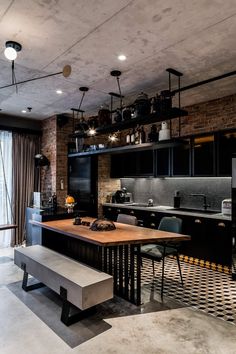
(127, 219)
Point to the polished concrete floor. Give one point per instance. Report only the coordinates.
(30, 323)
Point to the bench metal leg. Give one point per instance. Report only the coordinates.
(25, 281)
(67, 318)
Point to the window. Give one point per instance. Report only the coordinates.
(5, 185)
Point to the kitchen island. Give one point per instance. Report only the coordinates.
(116, 252)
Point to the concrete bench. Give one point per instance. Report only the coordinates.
(76, 283)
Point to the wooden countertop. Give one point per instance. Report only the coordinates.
(124, 234)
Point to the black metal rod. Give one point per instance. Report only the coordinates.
(81, 101)
(118, 83)
(204, 82)
(179, 105)
(34, 79)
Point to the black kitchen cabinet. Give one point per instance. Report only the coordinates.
(82, 182)
(219, 241)
(132, 164)
(181, 159)
(211, 239)
(117, 166)
(162, 162)
(226, 146)
(204, 155)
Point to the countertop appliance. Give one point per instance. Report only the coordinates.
(226, 207)
(122, 196)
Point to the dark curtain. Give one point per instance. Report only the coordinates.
(25, 178)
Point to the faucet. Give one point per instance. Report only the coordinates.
(205, 205)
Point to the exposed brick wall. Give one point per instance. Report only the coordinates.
(209, 116)
(106, 185)
(48, 174)
(55, 148)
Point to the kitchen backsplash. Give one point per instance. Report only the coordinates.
(162, 191)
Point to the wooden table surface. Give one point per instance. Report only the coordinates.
(124, 234)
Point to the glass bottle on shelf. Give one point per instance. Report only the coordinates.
(142, 136)
(128, 138)
(132, 136)
(137, 135)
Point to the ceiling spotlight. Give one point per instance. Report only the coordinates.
(122, 57)
(59, 92)
(23, 111)
(11, 50)
(29, 109)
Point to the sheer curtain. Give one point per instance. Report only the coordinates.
(5, 186)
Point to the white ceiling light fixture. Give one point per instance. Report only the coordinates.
(11, 50)
(59, 92)
(122, 57)
(23, 111)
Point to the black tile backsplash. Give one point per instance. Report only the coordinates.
(162, 190)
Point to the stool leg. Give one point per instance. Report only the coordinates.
(180, 273)
(153, 268)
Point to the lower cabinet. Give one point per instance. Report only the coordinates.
(211, 239)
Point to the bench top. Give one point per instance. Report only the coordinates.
(76, 272)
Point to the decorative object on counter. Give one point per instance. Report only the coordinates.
(177, 199)
(142, 105)
(150, 202)
(164, 133)
(77, 221)
(102, 225)
(153, 135)
(104, 116)
(85, 223)
(70, 204)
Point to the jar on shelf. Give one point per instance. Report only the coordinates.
(104, 116)
(142, 105)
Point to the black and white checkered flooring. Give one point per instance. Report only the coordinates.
(208, 290)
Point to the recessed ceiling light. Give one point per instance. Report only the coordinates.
(122, 57)
(59, 92)
(23, 111)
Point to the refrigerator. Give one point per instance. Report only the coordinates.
(82, 183)
(234, 217)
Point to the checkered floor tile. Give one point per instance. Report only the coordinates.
(210, 291)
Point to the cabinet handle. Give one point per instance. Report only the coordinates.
(153, 214)
(152, 224)
(221, 224)
(118, 210)
(197, 221)
(132, 212)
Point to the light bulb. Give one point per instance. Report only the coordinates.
(122, 57)
(91, 131)
(10, 53)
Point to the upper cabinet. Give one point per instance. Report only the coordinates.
(204, 155)
(132, 164)
(162, 162)
(226, 146)
(181, 161)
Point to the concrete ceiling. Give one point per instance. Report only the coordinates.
(196, 37)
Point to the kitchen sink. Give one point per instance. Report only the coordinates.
(210, 212)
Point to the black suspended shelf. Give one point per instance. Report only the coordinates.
(132, 148)
(151, 118)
